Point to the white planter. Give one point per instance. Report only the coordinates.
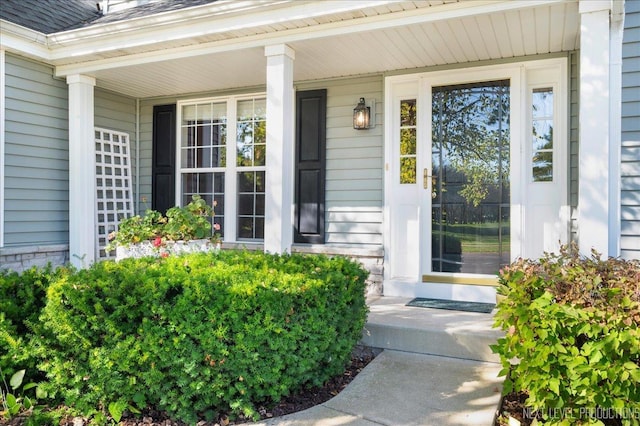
(146, 248)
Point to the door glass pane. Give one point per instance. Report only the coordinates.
(542, 134)
(470, 198)
(408, 152)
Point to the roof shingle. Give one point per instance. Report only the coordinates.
(49, 16)
(52, 16)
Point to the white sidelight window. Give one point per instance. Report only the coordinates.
(221, 157)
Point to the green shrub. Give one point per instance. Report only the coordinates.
(572, 337)
(22, 297)
(200, 334)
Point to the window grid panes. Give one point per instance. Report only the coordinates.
(251, 198)
(205, 165)
(204, 134)
(251, 133)
(210, 186)
(542, 134)
(408, 149)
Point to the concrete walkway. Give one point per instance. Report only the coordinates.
(416, 386)
(401, 388)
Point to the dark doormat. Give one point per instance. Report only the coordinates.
(452, 305)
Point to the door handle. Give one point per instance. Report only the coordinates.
(426, 175)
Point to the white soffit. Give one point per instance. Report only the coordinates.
(387, 37)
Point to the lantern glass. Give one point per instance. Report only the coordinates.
(361, 115)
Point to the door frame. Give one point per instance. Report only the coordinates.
(464, 286)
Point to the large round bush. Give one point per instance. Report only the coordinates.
(203, 333)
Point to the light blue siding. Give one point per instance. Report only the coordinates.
(115, 112)
(354, 178)
(37, 150)
(36, 155)
(630, 155)
(573, 143)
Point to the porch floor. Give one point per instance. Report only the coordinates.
(455, 334)
(434, 370)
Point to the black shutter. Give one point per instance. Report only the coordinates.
(163, 170)
(311, 110)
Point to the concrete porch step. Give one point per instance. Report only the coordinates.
(455, 334)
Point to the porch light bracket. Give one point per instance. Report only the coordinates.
(364, 114)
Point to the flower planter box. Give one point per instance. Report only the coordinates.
(147, 248)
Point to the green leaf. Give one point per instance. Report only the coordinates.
(140, 400)
(12, 403)
(595, 357)
(41, 393)
(116, 409)
(29, 386)
(554, 385)
(16, 379)
(27, 403)
(134, 410)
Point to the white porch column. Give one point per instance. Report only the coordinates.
(594, 125)
(278, 232)
(82, 178)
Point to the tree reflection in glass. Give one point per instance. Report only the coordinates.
(471, 200)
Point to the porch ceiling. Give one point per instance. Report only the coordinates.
(436, 34)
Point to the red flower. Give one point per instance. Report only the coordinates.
(157, 242)
(164, 254)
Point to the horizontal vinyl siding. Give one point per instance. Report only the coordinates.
(118, 113)
(630, 155)
(36, 155)
(146, 150)
(115, 112)
(574, 159)
(354, 186)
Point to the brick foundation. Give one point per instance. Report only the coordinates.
(22, 258)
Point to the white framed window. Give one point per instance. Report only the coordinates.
(221, 155)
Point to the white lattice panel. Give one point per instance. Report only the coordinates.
(114, 195)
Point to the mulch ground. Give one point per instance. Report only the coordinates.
(302, 400)
(513, 406)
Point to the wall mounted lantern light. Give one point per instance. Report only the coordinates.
(361, 116)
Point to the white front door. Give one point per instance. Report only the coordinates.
(476, 176)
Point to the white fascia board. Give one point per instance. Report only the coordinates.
(588, 6)
(16, 38)
(192, 22)
(372, 23)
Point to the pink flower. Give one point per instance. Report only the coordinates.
(157, 242)
(164, 254)
(216, 226)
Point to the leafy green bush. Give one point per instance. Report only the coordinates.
(200, 334)
(572, 337)
(22, 297)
